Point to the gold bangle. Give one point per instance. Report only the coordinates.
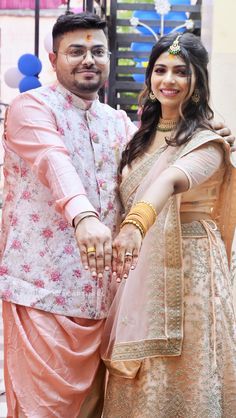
(150, 205)
(139, 220)
(142, 215)
(132, 222)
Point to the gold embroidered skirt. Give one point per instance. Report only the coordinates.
(201, 382)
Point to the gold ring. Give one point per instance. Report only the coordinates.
(128, 254)
(91, 250)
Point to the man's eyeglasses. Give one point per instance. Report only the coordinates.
(76, 55)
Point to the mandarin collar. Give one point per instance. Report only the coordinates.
(73, 99)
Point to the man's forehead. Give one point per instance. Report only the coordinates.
(86, 36)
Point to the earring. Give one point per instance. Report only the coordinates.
(152, 97)
(195, 97)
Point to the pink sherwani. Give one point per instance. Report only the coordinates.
(61, 157)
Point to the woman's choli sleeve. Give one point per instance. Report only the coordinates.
(204, 169)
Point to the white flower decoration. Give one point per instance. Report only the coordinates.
(134, 21)
(162, 6)
(189, 24)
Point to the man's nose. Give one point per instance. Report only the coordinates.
(88, 57)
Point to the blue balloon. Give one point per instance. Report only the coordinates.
(29, 64)
(141, 47)
(29, 83)
(139, 78)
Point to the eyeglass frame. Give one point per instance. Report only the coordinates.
(83, 56)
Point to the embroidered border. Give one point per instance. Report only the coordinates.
(147, 348)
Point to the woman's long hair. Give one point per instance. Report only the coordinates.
(193, 116)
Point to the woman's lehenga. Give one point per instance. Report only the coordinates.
(172, 346)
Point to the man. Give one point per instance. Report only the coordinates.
(62, 147)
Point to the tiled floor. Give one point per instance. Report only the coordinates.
(3, 409)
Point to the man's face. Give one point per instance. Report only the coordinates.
(78, 62)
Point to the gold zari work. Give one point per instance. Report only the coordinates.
(201, 381)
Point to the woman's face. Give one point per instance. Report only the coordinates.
(170, 83)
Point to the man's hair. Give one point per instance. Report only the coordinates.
(73, 21)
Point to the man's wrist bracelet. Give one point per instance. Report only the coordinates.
(84, 215)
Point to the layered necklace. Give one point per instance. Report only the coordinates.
(166, 125)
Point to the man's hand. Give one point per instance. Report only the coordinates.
(224, 131)
(95, 245)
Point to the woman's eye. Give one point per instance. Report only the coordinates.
(182, 73)
(159, 70)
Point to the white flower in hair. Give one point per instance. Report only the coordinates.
(162, 6)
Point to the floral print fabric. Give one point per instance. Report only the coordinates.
(40, 264)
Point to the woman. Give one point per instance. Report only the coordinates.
(170, 339)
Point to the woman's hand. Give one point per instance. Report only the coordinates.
(126, 247)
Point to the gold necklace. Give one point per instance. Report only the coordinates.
(166, 125)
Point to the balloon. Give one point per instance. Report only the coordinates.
(29, 83)
(29, 64)
(12, 77)
(48, 42)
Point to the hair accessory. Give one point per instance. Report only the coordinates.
(165, 125)
(195, 97)
(175, 49)
(152, 97)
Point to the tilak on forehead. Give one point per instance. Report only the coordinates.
(89, 37)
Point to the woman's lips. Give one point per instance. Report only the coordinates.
(169, 92)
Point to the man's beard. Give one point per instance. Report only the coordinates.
(90, 87)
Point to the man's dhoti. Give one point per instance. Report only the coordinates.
(51, 363)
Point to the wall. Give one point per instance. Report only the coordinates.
(17, 38)
(219, 36)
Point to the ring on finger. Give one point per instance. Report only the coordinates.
(91, 250)
(128, 254)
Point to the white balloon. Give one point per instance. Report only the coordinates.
(12, 77)
(48, 42)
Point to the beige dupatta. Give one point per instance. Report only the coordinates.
(225, 211)
(146, 318)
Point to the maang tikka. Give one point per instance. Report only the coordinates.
(175, 49)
